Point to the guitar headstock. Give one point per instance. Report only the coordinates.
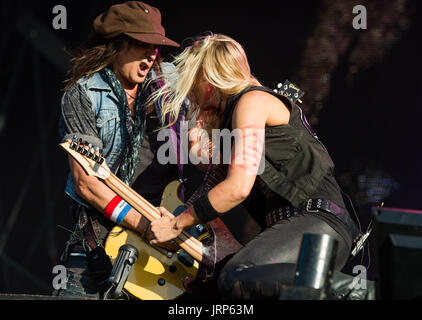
(290, 90)
(90, 158)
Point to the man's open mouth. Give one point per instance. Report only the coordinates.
(143, 68)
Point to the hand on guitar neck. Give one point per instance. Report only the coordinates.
(93, 164)
(98, 195)
(169, 227)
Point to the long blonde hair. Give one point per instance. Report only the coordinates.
(219, 59)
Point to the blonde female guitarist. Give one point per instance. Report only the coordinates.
(294, 193)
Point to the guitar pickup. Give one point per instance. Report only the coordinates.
(185, 258)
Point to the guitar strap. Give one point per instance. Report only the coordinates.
(175, 135)
(179, 156)
(86, 225)
(99, 263)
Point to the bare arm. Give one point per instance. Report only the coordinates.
(78, 118)
(253, 112)
(98, 195)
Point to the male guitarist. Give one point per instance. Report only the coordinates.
(104, 105)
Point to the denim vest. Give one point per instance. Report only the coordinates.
(109, 121)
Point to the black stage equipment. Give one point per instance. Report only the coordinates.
(397, 253)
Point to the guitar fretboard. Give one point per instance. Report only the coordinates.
(190, 244)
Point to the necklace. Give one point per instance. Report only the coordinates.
(130, 95)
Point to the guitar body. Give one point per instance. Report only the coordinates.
(156, 274)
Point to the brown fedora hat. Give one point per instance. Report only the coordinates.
(135, 19)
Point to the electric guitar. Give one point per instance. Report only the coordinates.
(157, 274)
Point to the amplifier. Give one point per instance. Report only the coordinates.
(396, 246)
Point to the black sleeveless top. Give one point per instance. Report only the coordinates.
(297, 165)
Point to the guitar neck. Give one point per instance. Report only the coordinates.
(190, 244)
(95, 166)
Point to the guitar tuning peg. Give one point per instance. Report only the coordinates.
(84, 148)
(100, 156)
(80, 147)
(96, 154)
(73, 143)
(91, 153)
(279, 85)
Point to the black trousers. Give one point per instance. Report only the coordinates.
(87, 270)
(268, 261)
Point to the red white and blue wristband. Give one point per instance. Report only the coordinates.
(117, 210)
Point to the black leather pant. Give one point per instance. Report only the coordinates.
(268, 261)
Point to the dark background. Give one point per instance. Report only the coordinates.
(363, 93)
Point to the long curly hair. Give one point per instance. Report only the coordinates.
(97, 54)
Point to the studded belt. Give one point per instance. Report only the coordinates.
(311, 206)
(319, 205)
